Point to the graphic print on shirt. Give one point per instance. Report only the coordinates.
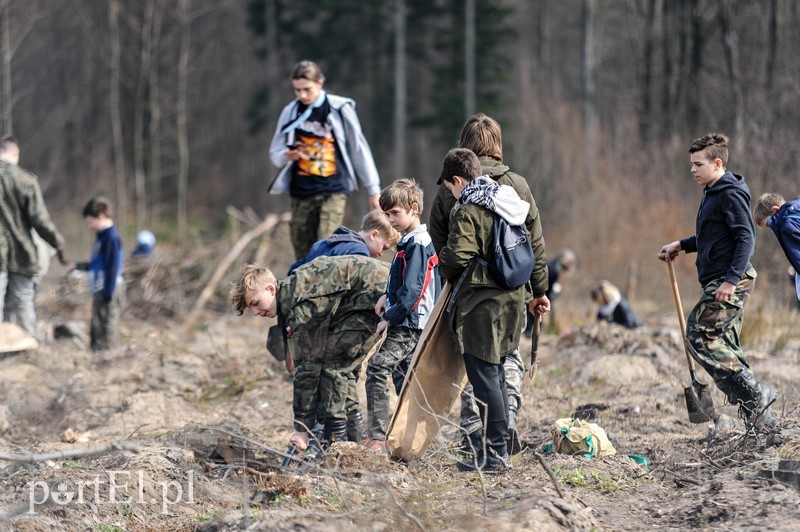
(316, 141)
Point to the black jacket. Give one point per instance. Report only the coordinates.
(724, 236)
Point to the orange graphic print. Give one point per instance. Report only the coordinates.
(319, 156)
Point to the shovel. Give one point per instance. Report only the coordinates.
(699, 402)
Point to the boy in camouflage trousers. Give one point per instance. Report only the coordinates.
(326, 310)
(724, 240)
(404, 309)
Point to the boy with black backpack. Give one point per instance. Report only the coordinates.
(487, 319)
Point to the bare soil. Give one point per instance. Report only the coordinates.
(210, 414)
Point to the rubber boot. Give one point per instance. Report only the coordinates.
(754, 399)
(514, 445)
(335, 431)
(356, 426)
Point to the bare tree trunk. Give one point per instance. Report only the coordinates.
(400, 114)
(8, 125)
(772, 47)
(666, 71)
(469, 58)
(730, 43)
(646, 82)
(155, 112)
(589, 64)
(182, 132)
(275, 75)
(140, 177)
(116, 112)
(696, 43)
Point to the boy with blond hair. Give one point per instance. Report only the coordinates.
(783, 217)
(375, 236)
(724, 240)
(326, 311)
(404, 309)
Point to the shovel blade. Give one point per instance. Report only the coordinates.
(699, 403)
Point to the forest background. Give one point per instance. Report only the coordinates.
(168, 107)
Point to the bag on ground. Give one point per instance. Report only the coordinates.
(576, 436)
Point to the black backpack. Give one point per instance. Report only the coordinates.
(513, 260)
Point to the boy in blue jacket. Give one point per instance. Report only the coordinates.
(412, 290)
(724, 240)
(105, 274)
(783, 217)
(375, 236)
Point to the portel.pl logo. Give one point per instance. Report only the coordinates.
(114, 487)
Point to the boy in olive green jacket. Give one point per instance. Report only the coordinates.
(486, 319)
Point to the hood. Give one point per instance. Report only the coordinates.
(500, 199)
(729, 180)
(492, 167)
(789, 209)
(343, 234)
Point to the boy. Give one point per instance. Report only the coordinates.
(483, 135)
(487, 319)
(404, 309)
(784, 219)
(375, 236)
(323, 156)
(326, 310)
(724, 240)
(105, 274)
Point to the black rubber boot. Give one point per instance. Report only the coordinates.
(754, 399)
(335, 431)
(356, 426)
(514, 445)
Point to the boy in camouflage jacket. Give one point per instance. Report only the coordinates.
(326, 310)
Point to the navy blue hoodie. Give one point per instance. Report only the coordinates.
(724, 236)
(344, 241)
(786, 225)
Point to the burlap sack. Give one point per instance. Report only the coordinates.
(435, 379)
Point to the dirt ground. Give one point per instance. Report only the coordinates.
(209, 414)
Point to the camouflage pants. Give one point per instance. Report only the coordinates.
(323, 379)
(713, 329)
(105, 319)
(314, 219)
(395, 352)
(514, 369)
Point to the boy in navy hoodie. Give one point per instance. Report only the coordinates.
(783, 217)
(375, 236)
(105, 274)
(724, 240)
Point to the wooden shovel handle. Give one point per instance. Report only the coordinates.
(679, 307)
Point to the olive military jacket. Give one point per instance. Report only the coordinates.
(438, 226)
(486, 319)
(22, 210)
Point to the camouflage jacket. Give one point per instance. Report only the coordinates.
(327, 296)
(22, 210)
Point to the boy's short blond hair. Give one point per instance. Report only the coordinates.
(764, 205)
(252, 279)
(605, 292)
(376, 219)
(402, 193)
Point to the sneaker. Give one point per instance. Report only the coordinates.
(374, 444)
